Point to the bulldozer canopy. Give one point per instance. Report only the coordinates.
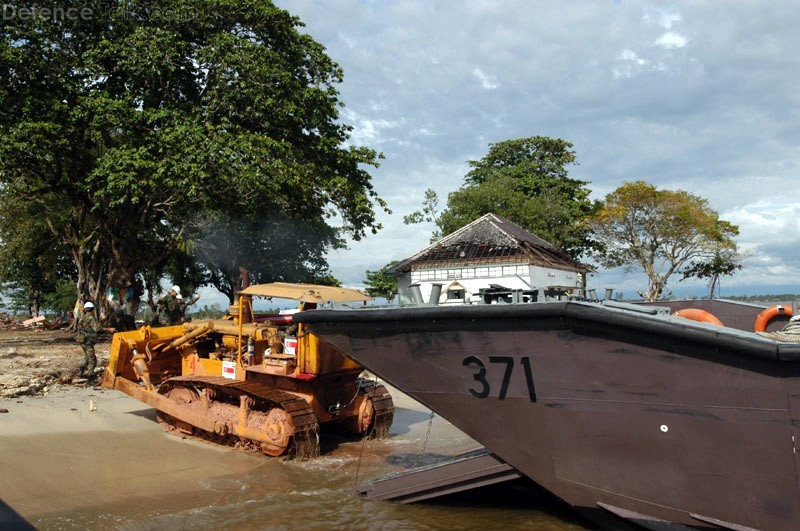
(305, 292)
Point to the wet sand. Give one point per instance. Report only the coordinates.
(63, 466)
(58, 456)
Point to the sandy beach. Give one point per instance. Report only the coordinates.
(82, 457)
(70, 451)
(85, 457)
(58, 456)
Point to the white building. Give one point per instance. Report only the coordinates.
(489, 260)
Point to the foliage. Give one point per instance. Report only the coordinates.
(208, 312)
(379, 284)
(126, 131)
(526, 181)
(429, 213)
(62, 298)
(323, 279)
(21, 302)
(724, 262)
(273, 248)
(29, 258)
(18, 302)
(664, 232)
(766, 298)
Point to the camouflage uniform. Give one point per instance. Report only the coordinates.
(184, 305)
(171, 311)
(88, 329)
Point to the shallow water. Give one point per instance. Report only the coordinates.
(143, 479)
(118, 487)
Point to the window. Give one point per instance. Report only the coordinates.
(472, 272)
(453, 273)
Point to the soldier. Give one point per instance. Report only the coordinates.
(170, 307)
(87, 330)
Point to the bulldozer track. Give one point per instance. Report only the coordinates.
(305, 444)
(384, 408)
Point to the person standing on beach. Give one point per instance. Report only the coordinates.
(87, 332)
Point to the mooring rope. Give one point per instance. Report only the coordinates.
(789, 334)
(366, 434)
(425, 442)
(360, 458)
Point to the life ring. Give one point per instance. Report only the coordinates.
(767, 316)
(696, 314)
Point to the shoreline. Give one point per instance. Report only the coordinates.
(60, 459)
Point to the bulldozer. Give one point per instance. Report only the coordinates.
(253, 381)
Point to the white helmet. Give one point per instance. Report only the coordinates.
(176, 289)
(178, 296)
(88, 306)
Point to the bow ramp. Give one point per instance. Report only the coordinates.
(467, 471)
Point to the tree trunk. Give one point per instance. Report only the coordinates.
(655, 290)
(713, 286)
(91, 277)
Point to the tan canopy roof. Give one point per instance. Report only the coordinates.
(305, 292)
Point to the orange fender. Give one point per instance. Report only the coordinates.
(773, 312)
(696, 314)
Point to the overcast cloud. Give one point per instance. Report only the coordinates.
(699, 96)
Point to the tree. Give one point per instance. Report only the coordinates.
(272, 248)
(379, 284)
(725, 262)
(126, 129)
(62, 298)
(429, 213)
(526, 181)
(664, 232)
(31, 263)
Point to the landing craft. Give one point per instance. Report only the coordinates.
(635, 417)
(261, 382)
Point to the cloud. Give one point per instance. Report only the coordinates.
(666, 19)
(368, 130)
(671, 40)
(487, 82)
(690, 97)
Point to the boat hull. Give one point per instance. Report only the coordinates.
(607, 408)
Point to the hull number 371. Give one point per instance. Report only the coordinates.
(499, 371)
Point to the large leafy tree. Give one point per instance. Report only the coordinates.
(525, 180)
(128, 124)
(664, 232)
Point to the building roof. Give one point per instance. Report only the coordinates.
(490, 239)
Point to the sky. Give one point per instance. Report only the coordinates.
(699, 96)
